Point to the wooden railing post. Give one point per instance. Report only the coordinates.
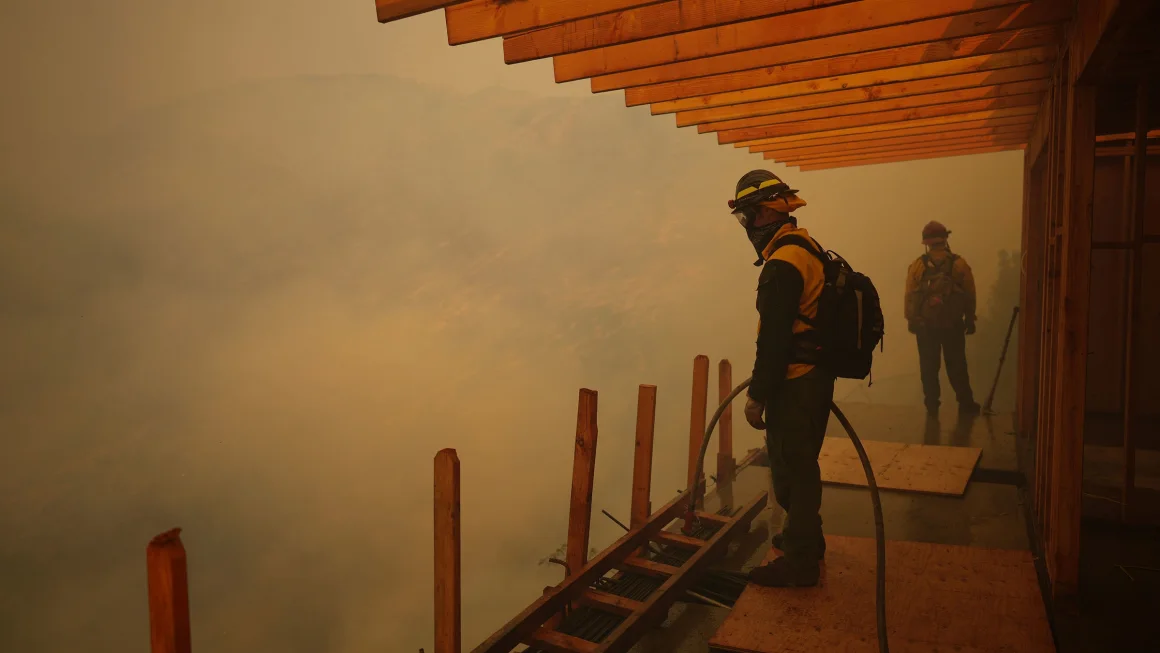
(448, 592)
(726, 463)
(646, 408)
(697, 423)
(583, 475)
(168, 594)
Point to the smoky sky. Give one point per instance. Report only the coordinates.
(259, 263)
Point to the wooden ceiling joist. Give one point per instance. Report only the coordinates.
(984, 118)
(926, 140)
(958, 56)
(647, 22)
(863, 108)
(979, 63)
(938, 146)
(476, 20)
(945, 112)
(909, 157)
(389, 11)
(998, 125)
(863, 95)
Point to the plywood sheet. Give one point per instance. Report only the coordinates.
(930, 469)
(938, 598)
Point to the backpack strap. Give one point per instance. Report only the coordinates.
(810, 246)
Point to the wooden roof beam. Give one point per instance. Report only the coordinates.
(1034, 86)
(862, 96)
(908, 157)
(1098, 33)
(962, 121)
(974, 128)
(476, 20)
(649, 21)
(952, 112)
(937, 146)
(389, 11)
(937, 32)
(959, 57)
(887, 145)
(748, 35)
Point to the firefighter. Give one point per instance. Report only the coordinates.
(940, 312)
(789, 396)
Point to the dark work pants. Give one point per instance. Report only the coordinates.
(796, 419)
(935, 344)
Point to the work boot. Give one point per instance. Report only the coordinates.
(970, 408)
(779, 540)
(783, 573)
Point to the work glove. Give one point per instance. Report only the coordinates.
(753, 412)
(971, 328)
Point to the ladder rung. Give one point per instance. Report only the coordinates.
(713, 517)
(558, 642)
(610, 602)
(650, 568)
(676, 539)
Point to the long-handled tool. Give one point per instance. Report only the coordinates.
(879, 528)
(1002, 357)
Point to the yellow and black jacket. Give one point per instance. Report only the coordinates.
(964, 288)
(791, 282)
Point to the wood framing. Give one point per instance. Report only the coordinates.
(726, 463)
(165, 566)
(939, 33)
(646, 408)
(583, 474)
(392, 10)
(476, 20)
(908, 157)
(1016, 134)
(870, 153)
(697, 422)
(448, 587)
(1132, 308)
(910, 135)
(960, 121)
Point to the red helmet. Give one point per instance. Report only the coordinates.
(934, 232)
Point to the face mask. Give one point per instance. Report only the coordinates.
(760, 237)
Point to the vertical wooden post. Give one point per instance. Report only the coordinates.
(583, 475)
(1072, 340)
(168, 594)
(726, 463)
(646, 409)
(1132, 299)
(448, 591)
(697, 422)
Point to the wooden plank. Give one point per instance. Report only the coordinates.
(476, 20)
(938, 598)
(904, 64)
(1036, 86)
(676, 539)
(871, 153)
(910, 157)
(1028, 100)
(557, 642)
(775, 30)
(609, 602)
(1039, 129)
(972, 119)
(1072, 354)
(865, 95)
(646, 409)
(168, 594)
(1099, 31)
(713, 517)
(448, 584)
(523, 624)
(698, 420)
(583, 474)
(654, 20)
(726, 463)
(951, 138)
(391, 10)
(649, 568)
(925, 469)
(631, 629)
(858, 79)
(939, 32)
(918, 135)
(1132, 313)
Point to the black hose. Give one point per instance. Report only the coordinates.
(879, 527)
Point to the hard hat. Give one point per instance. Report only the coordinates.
(934, 232)
(755, 187)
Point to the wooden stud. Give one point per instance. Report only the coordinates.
(653, 20)
(583, 475)
(676, 539)
(917, 135)
(477, 20)
(726, 463)
(908, 157)
(557, 642)
(448, 570)
(698, 422)
(869, 96)
(1031, 289)
(938, 32)
(1132, 315)
(391, 10)
(646, 408)
(168, 584)
(775, 30)
(978, 54)
(931, 148)
(609, 602)
(888, 145)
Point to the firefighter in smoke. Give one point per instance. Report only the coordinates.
(790, 395)
(940, 312)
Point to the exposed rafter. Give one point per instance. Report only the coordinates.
(900, 151)
(992, 117)
(910, 135)
(909, 157)
(878, 147)
(476, 20)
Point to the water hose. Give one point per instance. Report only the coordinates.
(879, 529)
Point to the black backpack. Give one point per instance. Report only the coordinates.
(849, 322)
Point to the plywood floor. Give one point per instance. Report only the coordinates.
(940, 598)
(930, 469)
